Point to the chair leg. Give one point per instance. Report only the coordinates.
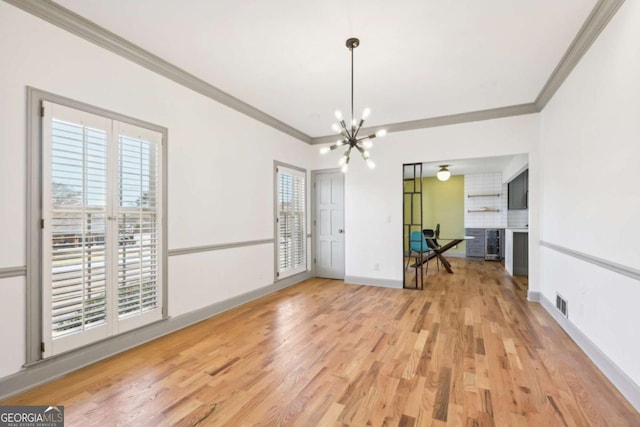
(408, 260)
(427, 262)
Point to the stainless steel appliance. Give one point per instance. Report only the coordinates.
(493, 238)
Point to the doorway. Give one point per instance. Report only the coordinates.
(328, 223)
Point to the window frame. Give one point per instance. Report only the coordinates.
(277, 275)
(34, 297)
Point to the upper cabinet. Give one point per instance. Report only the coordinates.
(519, 191)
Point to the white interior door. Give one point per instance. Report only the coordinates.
(329, 224)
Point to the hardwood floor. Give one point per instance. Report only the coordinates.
(467, 351)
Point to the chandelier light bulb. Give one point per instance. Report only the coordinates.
(381, 133)
(325, 150)
(366, 154)
(344, 168)
(367, 144)
(339, 142)
(342, 161)
(338, 115)
(366, 113)
(336, 127)
(371, 164)
(354, 122)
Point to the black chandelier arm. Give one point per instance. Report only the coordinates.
(364, 138)
(355, 134)
(347, 155)
(344, 131)
(351, 49)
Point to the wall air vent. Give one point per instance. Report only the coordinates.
(561, 305)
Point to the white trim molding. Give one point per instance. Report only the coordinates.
(47, 370)
(373, 281)
(598, 19)
(217, 247)
(617, 376)
(100, 36)
(64, 18)
(609, 265)
(533, 296)
(18, 271)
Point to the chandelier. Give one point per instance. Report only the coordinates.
(349, 137)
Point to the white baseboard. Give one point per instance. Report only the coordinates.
(533, 296)
(47, 370)
(617, 376)
(372, 281)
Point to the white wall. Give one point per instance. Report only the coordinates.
(590, 199)
(220, 167)
(515, 167)
(373, 211)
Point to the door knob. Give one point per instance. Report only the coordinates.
(340, 231)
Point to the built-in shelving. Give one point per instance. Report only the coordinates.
(484, 210)
(484, 195)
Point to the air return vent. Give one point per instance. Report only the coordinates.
(561, 304)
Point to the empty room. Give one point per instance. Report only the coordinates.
(331, 213)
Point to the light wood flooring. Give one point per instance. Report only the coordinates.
(468, 350)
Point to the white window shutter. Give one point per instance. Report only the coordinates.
(291, 211)
(102, 204)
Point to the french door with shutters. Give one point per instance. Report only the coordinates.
(101, 233)
(291, 248)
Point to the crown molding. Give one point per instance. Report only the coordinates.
(64, 18)
(452, 119)
(598, 19)
(82, 27)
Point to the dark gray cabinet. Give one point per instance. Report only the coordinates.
(475, 246)
(519, 191)
(520, 254)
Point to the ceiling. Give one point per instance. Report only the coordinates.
(464, 166)
(417, 59)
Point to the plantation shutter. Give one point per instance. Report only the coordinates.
(138, 204)
(101, 239)
(75, 169)
(291, 219)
